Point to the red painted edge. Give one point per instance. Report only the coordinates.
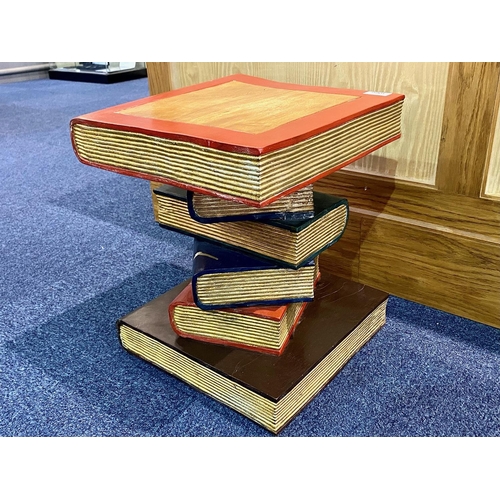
(241, 345)
(241, 142)
(210, 192)
(185, 297)
(328, 172)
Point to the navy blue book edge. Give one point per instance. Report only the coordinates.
(323, 204)
(212, 259)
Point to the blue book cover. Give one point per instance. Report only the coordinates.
(224, 278)
(287, 243)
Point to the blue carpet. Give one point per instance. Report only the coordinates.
(79, 248)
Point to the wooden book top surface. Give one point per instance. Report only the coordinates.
(339, 306)
(241, 113)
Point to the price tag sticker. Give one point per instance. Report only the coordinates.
(384, 94)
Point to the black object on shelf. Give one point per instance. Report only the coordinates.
(97, 73)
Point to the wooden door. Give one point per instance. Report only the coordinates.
(425, 210)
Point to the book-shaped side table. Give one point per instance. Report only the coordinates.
(259, 327)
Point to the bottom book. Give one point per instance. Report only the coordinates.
(270, 390)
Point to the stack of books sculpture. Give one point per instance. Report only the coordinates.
(258, 327)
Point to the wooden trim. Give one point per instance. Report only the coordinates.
(479, 218)
(446, 271)
(438, 249)
(467, 127)
(159, 77)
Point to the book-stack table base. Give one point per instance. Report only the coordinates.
(227, 153)
(270, 390)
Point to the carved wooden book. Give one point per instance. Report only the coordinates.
(239, 137)
(271, 390)
(289, 243)
(261, 328)
(226, 278)
(294, 206)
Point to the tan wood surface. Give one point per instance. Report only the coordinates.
(451, 212)
(159, 77)
(239, 106)
(419, 227)
(428, 263)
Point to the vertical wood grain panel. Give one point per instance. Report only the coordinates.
(467, 127)
(159, 78)
(492, 184)
(414, 156)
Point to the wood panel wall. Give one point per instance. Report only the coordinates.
(425, 211)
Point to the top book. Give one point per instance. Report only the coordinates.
(239, 137)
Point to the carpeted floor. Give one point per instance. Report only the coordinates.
(79, 248)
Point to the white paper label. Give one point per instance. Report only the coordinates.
(371, 92)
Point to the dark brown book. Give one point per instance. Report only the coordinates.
(268, 389)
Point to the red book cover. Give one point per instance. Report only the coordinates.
(244, 128)
(274, 314)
